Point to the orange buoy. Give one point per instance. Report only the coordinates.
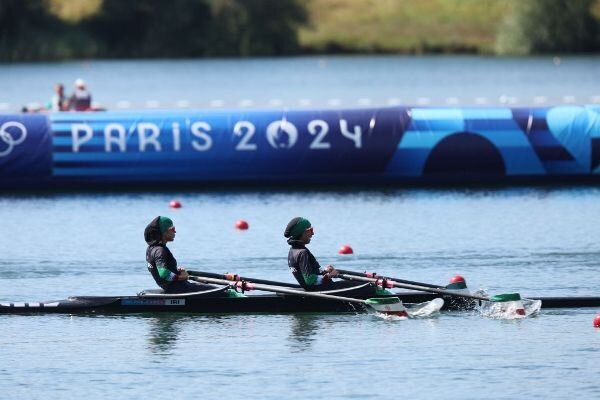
(241, 225)
(345, 249)
(175, 204)
(597, 321)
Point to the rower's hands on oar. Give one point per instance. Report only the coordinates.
(183, 274)
(330, 272)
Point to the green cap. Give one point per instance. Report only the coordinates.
(164, 223)
(296, 227)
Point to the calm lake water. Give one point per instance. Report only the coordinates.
(351, 81)
(537, 241)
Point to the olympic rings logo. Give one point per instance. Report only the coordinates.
(12, 133)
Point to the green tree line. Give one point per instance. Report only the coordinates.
(34, 30)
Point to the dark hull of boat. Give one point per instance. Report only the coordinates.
(269, 303)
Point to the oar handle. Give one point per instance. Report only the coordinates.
(374, 275)
(394, 283)
(275, 289)
(236, 277)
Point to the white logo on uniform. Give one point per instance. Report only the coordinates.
(10, 136)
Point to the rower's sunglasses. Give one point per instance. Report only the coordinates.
(309, 229)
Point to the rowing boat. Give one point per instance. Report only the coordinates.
(215, 301)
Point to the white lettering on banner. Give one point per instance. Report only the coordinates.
(282, 134)
(154, 130)
(119, 140)
(176, 137)
(246, 130)
(78, 141)
(200, 130)
(355, 136)
(319, 128)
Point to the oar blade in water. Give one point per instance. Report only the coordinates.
(388, 306)
(509, 306)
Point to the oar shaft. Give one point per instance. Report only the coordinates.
(235, 277)
(412, 287)
(365, 275)
(275, 289)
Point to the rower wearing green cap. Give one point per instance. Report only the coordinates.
(304, 265)
(161, 263)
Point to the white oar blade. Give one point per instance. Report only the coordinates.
(425, 310)
(388, 306)
(509, 306)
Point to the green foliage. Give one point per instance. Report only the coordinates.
(549, 26)
(33, 30)
(151, 28)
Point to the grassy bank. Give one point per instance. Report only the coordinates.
(406, 26)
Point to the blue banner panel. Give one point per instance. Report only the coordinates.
(224, 145)
(25, 150)
(376, 145)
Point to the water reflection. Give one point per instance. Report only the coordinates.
(163, 332)
(303, 331)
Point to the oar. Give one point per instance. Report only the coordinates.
(385, 305)
(235, 277)
(375, 275)
(389, 283)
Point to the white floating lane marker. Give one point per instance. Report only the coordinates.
(152, 104)
(275, 102)
(334, 102)
(512, 100)
(246, 103)
(217, 103)
(540, 100)
(305, 102)
(364, 101)
(481, 100)
(182, 103)
(569, 99)
(423, 101)
(503, 99)
(34, 106)
(595, 99)
(394, 101)
(123, 104)
(4, 106)
(452, 100)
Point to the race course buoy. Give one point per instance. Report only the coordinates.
(457, 282)
(241, 225)
(597, 321)
(175, 204)
(345, 249)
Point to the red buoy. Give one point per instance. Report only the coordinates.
(597, 321)
(345, 249)
(241, 225)
(457, 278)
(175, 204)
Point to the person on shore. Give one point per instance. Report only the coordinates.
(305, 267)
(81, 99)
(161, 263)
(58, 101)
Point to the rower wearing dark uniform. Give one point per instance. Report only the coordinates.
(306, 268)
(161, 263)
